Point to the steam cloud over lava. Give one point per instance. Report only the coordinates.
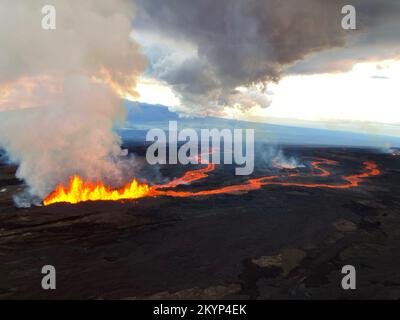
(70, 80)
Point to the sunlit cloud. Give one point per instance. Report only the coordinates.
(153, 91)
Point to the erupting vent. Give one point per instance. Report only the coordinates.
(80, 191)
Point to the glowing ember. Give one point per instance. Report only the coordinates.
(79, 191)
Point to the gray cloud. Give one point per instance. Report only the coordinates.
(376, 39)
(242, 43)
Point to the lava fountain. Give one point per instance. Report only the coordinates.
(81, 191)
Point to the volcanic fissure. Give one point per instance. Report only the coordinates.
(80, 191)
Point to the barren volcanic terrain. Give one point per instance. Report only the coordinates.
(280, 234)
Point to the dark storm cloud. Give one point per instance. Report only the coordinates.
(242, 43)
(377, 38)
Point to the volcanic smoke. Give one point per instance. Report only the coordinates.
(67, 82)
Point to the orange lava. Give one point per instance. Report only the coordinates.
(188, 177)
(370, 169)
(79, 191)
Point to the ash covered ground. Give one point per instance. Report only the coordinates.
(279, 242)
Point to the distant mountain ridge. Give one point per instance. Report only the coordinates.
(141, 117)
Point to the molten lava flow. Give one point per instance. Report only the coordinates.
(188, 177)
(370, 169)
(79, 191)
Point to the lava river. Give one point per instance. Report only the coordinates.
(79, 191)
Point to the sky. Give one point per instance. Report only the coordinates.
(368, 93)
(277, 61)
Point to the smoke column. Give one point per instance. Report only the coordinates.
(59, 90)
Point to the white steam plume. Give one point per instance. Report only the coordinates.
(67, 81)
(272, 156)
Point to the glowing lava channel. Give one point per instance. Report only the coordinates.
(80, 191)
